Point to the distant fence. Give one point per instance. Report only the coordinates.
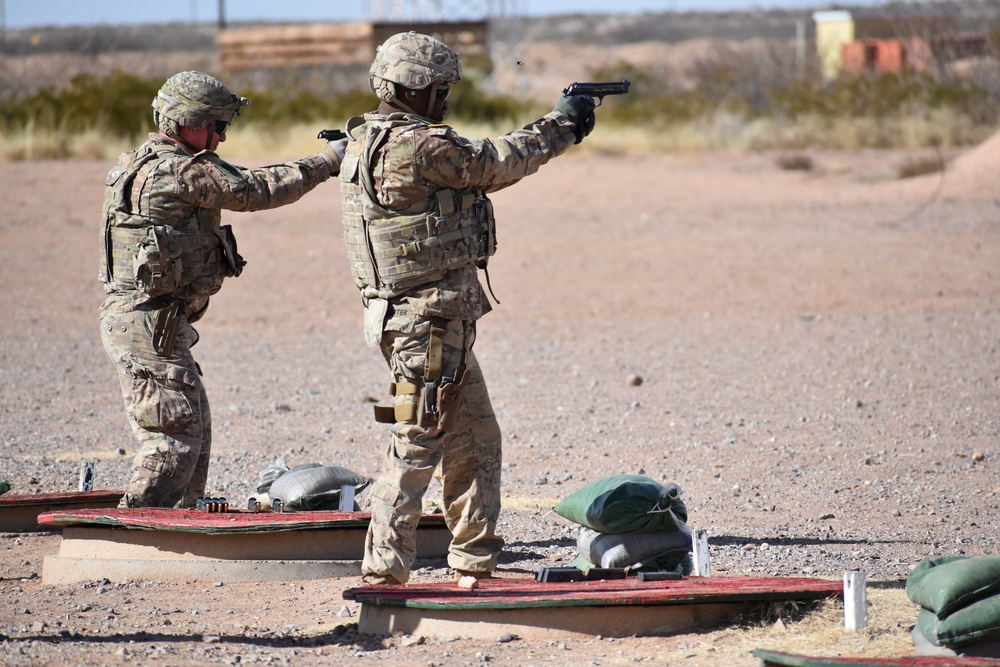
(322, 44)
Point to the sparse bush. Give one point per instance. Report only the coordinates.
(725, 101)
(795, 162)
(921, 167)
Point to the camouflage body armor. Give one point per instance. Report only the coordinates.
(391, 252)
(140, 253)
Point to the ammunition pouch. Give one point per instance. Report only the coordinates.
(158, 259)
(234, 260)
(156, 265)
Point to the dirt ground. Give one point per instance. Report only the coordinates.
(820, 374)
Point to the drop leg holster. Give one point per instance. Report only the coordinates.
(439, 399)
(165, 328)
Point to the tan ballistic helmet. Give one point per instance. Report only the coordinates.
(196, 100)
(412, 60)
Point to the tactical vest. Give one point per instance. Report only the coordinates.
(141, 253)
(392, 252)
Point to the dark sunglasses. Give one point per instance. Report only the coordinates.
(443, 93)
(221, 126)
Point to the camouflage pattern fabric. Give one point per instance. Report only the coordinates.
(466, 460)
(418, 160)
(165, 399)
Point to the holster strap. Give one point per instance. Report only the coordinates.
(399, 412)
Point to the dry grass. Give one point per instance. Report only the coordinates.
(720, 131)
(816, 631)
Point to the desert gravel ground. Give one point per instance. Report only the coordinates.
(818, 354)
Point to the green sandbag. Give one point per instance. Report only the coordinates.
(978, 622)
(945, 585)
(625, 504)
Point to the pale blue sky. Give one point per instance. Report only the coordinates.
(35, 13)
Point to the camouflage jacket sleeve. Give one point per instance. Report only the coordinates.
(208, 181)
(448, 160)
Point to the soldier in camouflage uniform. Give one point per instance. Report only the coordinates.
(164, 253)
(418, 225)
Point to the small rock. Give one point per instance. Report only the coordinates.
(634, 380)
(978, 456)
(344, 612)
(412, 641)
(38, 626)
(828, 515)
(468, 583)
(507, 638)
(210, 639)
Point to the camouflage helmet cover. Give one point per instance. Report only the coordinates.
(195, 100)
(415, 61)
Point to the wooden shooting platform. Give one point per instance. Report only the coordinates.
(776, 659)
(537, 610)
(19, 513)
(238, 545)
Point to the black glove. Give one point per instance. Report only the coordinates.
(580, 110)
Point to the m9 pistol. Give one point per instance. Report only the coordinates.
(332, 135)
(598, 90)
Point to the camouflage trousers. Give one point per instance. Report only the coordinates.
(466, 460)
(166, 405)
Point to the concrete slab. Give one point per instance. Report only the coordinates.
(535, 610)
(183, 545)
(19, 512)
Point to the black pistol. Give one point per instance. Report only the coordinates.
(331, 135)
(598, 90)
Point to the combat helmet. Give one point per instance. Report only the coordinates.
(412, 60)
(196, 100)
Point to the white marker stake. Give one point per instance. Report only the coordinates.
(702, 566)
(855, 600)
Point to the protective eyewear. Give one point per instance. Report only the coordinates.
(220, 127)
(443, 93)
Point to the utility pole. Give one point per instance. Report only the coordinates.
(222, 14)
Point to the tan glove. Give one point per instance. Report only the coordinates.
(333, 152)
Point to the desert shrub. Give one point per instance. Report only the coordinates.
(795, 162)
(469, 102)
(119, 104)
(920, 167)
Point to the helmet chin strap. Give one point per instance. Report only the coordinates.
(396, 101)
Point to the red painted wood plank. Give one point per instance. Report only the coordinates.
(521, 593)
(778, 659)
(62, 498)
(233, 521)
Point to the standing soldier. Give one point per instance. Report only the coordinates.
(164, 253)
(418, 225)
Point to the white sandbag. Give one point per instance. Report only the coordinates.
(631, 549)
(271, 472)
(315, 488)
